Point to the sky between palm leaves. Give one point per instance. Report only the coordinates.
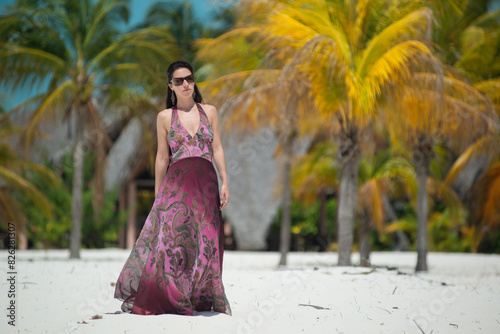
(203, 9)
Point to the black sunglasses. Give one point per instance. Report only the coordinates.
(180, 81)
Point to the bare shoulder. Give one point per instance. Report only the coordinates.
(165, 113)
(164, 116)
(163, 119)
(210, 110)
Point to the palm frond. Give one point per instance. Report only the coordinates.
(401, 172)
(394, 66)
(47, 174)
(486, 198)
(370, 198)
(441, 190)
(152, 41)
(226, 86)
(7, 208)
(33, 193)
(407, 224)
(54, 101)
(490, 88)
(487, 19)
(320, 62)
(21, 66)
(297, 27)
(414, 25)
(314, 172)
(361, 23)
(100, 11)
(479, 147)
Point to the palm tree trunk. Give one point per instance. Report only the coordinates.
(422, 215)
(23, 239)
(76, 197)
(364, 240)
(286, 222)
(422, 161)
(98, 141)
(322, 229)
(348, 199)
(402, 243)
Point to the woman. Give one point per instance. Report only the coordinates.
(176, 263)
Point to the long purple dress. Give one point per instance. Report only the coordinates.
(176, 263)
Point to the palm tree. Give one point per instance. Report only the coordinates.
(349, 51)
(447, 218)
(381, 177)
(254, 94)
(14, 173)
(460, 116)
(246, 109)
(421, 117)
(78, 52)
(482, 197)
(314, 177)
(485, 205)
(476, 57)
(468, 38)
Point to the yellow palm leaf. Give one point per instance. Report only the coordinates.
(480, 146)
(298, 25)
(487, 197)
(490, 88)
(362, 13)
(413, 25)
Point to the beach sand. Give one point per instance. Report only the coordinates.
(459, 294)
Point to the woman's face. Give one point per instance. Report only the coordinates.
(185, 89)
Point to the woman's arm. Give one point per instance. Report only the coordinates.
(219, 157)
(162, 154)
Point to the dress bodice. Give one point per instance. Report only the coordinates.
(183, 145)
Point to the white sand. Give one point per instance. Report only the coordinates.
(459, 294)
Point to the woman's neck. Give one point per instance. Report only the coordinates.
(185, 105)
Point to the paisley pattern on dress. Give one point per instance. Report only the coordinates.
(183, 145)
(176, 263)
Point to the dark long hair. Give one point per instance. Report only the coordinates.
(170, 74)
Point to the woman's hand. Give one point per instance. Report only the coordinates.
(224, 196)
